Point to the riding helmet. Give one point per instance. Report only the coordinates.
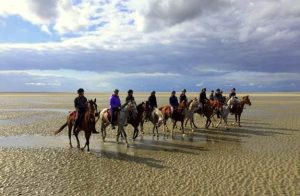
(130, 91)
(80, 90)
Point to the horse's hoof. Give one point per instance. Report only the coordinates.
(127, 145)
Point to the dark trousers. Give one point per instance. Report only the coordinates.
(113, 114)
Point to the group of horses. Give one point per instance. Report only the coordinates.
(137, 115)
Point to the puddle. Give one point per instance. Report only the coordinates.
(96, 144)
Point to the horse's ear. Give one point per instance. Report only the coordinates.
(95, 100)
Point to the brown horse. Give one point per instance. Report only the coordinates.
(138, 120)
(238, 108)
(87, 124)
(208, 111)
(179, 114)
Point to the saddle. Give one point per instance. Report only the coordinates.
(109, 115)
(73, 115)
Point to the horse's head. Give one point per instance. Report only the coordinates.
(194, 104)
(132, 108)
(246, 99)
(93, 112)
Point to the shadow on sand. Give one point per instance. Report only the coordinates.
(151, 162)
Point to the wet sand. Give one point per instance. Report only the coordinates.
(260, 158)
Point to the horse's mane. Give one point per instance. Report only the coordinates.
(189, 103)
(140, 106)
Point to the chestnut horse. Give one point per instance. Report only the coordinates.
(87, 124)
(238, 108)
(167, 112)
(138, 120)
(178, 114)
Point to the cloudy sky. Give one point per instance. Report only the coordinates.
(61, 45)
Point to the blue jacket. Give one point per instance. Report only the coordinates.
(114, 102)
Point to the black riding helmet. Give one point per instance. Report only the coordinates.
(80, 90)
(130, 91)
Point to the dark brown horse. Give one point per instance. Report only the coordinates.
(208, 111)
(87, 124)
(138, 120)
(238, 108)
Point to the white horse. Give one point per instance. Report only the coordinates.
(224, 116)
(157, 119)
(192, 107)
(121, 120)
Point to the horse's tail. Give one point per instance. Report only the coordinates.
(61, 128)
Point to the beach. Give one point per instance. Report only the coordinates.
(260, 158)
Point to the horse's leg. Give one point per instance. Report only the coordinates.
(142, 127)
(182, 128)
(103, 131)
(174, 124)
(76, 135)
(135, 133)
(239, 119)
(87, 140)
(118, 135)
(187, 120)
(125, 136)
(156, 131)
(225, 121)
(220, 121)
(235, 119)
(70, 126)
(153, 130)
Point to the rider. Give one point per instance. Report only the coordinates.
(152, 103)
(211, 96)
(203, 99)
(173, 101)
(232, 98)
(130, 96)
(218, 97)
(183, 96)
(232, 93)
(115, 106)
(80, 104)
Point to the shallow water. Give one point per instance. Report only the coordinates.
(260, 158)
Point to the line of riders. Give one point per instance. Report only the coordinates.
(81, 103)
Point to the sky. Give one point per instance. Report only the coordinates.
(144, 45)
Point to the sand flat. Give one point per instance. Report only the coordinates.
(260, 158)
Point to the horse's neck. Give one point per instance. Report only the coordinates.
(242, 104)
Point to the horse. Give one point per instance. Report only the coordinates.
(87, 125)
(121, 120)
(208, 111)
(179, 114)
(157, 119)
(238, 108)
(224, 112)
(167, 112)
(193, 105)
(138, 120)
